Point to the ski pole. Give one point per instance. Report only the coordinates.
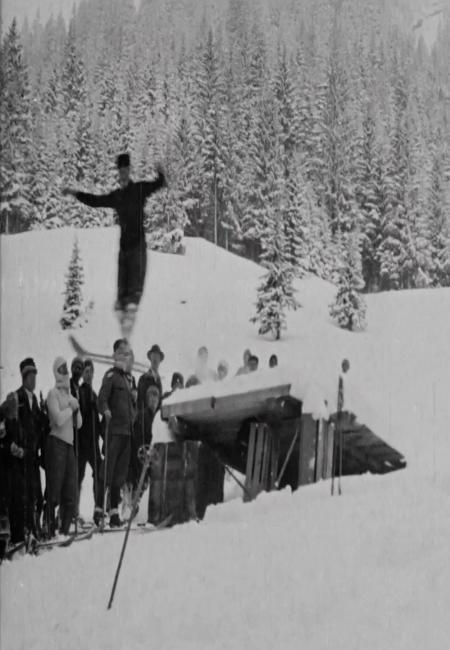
(94, 442)
(105, 468)
(286, 460)
(145, 450)
(77, 495)
(345, 366)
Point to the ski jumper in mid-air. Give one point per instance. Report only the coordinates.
(129, 202)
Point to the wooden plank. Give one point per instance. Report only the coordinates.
(260, 438)
(274, 456)
(307, 450)
(250, 463)
(227, 407)
(328, 471)
(319, 451)
(266, 458)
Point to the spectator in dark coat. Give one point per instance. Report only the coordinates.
(90, 431)
(27, 499)
(152, 377)
(76, 370)
(8, 420)
(142, 434)
(115, 402)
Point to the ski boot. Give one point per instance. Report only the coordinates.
(128, 319)
(114, 521)
(99, 517)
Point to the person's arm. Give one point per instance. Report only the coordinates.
(59, 416)
(92, 200)
(105, 394)
(149, 187)
(141, 390)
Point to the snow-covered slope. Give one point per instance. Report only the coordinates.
(400, 367)
(368, 570)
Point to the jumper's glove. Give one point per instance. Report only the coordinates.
(17, 451)
(107, 416)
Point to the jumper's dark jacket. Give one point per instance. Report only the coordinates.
(129, 204)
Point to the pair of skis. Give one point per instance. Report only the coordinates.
(100, 358)
(35, 547)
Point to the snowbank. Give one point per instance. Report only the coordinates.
(314, 400)
(366, 570)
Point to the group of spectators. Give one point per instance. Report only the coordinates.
(74, 427)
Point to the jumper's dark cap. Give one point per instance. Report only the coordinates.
(123, 160)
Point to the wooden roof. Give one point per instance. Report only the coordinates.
(237, 407)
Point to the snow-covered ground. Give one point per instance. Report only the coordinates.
(367, 570)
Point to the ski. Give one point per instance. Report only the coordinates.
(100, 358)
(86, 534)
(139, 528)
(53, 543)
(15, 548)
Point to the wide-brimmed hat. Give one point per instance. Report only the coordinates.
(155, 349)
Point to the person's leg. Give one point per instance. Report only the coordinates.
(122, 281)
(121, 471)
(39, 500)
(55, 469)
(30, 504)
(83, 458)
(69, 496)
(16, 506)
(136, 271)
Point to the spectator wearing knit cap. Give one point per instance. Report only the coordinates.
(152, 377)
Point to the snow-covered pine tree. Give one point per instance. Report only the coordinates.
(348, 309)
(73, 301)
(15, 126)
(276, 293)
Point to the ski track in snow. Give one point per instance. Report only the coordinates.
(366, 571)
